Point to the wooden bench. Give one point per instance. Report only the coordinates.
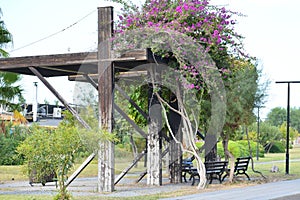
(214, 170)
(186, 167)
(240, 167)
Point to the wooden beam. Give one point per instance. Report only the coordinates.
(143, 174)
(154, 143)
(130, 121)
(59, 97)
(91, 81)
(106, 160)
(80, 169)
(131, 101)
(125, 171)
(48, 60)
(68, 59)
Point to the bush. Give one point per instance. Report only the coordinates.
(9, 140)
(240, 148)
(253, 146)
(50, 152)
(277, 147)
(234, 147)
(8, 155)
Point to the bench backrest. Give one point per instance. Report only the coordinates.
(215, 166)
(187, 162)
(242, 163)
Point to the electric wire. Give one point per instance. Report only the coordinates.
(53, 34)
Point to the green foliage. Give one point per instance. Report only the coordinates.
(9, 91)
(51, 151)
(5, 37)
(240, 148)
(276, 116)
(268, 133)
(8, 155)
(253, 147)
(9, 140)
(293, 133)
(277, 147)
(140, 97)
(241, 95)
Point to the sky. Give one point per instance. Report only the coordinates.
(271, 29)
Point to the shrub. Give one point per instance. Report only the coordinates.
(277, 147)
(9, 140)
(253, 146)
(50, 152)
(240, 148)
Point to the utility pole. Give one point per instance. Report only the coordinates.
(258, 131)
(287, 125)
(35, 103)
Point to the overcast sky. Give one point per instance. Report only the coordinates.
(271, 30)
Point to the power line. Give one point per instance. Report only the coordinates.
(53, 34)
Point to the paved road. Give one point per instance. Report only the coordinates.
(282, 190)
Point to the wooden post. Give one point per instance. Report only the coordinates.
(105, 91)
(175, 149)
(154, 156)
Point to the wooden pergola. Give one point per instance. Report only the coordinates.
(102, 67)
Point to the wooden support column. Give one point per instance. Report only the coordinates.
(105, 91)
(154, 143)
(175, 149)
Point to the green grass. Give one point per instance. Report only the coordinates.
(278, 159)
(8, 173)
(294, 153)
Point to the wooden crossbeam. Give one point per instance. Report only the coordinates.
(122, 92)
(59, 97)
(125, 171)
(143, 174)
(130, 121)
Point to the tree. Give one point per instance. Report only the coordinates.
(269, 134)
(5, 37)
(241, 90)
(9, 91)
(277, 116)
(295, 118)
(293, 133)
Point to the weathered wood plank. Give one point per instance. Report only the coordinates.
(48, 60)
(154, 143)
(105, 93)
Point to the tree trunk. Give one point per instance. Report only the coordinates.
(228, 156)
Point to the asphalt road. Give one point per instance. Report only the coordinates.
(282, 190)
